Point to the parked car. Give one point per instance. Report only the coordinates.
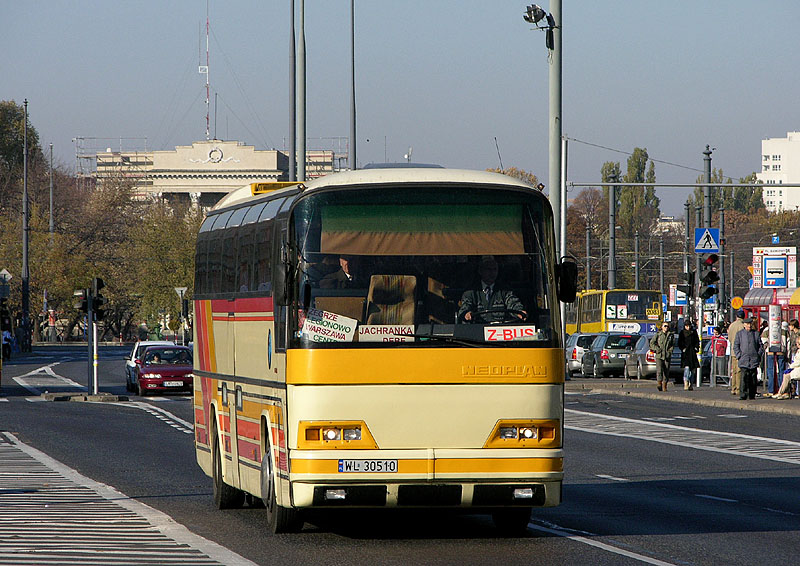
(608, 354)
(641, 363)
(164, 368)
(577, 344)
(136, 353)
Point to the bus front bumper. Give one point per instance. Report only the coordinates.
(425, 478)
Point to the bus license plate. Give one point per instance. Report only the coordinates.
(368, 466)
(173, 384)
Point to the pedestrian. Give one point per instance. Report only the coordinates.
(748, 349)
(7, 339)
(789, 375)
(719, 348)
(794, 334)
(689, 345)
(662, 344)
(733, 329)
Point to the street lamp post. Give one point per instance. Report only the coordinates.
(533, 15)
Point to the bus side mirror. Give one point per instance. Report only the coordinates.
(567, 280)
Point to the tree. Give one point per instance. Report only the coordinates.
(12, 133)
(520, 174)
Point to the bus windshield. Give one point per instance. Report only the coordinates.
(633, 305)
(410, 266)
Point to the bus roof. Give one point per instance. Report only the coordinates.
(378, 176)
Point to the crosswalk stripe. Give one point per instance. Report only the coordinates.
(50, 514)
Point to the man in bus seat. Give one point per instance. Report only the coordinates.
(502, 304)
(346, 277)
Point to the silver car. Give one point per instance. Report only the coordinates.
(641, 363)
(577, 344)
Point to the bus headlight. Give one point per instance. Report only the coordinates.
(525, 433)
(315, 435)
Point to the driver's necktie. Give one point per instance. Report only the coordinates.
(488, 292)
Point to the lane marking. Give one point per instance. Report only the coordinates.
(173, 420)
(730, 443)
(559, 531)
(612, 478)
(715, 498)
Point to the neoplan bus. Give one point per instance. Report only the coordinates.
(316, 390)
(618, 310)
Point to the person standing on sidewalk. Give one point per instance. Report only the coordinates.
(719, 347)
(662, 344)
(748, 349)
(733, 329)
(689, 345)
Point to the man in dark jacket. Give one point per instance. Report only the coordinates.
(689, 345)
(748, 349)
(489, 302)
(662, 344)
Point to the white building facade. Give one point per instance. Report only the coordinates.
(780, 164)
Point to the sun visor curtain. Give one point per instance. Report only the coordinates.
(422, 230)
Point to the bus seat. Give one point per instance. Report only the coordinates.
(391, 299)
(352, 307)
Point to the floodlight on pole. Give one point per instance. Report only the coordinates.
(534, 14)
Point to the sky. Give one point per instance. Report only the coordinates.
(465, 84)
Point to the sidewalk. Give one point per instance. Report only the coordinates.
(719, 396)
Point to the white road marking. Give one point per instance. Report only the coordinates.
(43, 378)
(163, 415)
(612, 478)
(54, 515)
(558, 531)
(730, 443)
(715, 498)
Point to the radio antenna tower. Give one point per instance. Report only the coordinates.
(204, 71)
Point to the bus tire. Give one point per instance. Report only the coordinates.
(512, 520)
(279, 519)
(225, 496)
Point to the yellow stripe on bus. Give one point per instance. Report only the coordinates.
(445, 466)
(428, 365)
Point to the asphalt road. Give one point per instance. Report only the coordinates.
(647, 482)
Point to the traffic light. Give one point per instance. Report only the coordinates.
(5, 315)
(708, 276)
(98, 300)
(687, 289)
(82, 300)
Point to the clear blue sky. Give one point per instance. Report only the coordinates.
(444, 77)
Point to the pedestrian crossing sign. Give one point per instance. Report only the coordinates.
(706, 240)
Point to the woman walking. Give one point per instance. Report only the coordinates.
(689, 345)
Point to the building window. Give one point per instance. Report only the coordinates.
(776, 157)
(776, 167)
(766, 167)
(766, 157)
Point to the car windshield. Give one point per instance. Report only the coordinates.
(168, 356)
(409, 266)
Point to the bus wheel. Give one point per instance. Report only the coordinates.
(279, 519)
(225, 496)
(513, 520)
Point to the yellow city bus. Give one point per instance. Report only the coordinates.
(620, 310)
(319, 388)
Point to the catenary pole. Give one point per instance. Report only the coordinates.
(292, 98)
(301, 96)
(554, 170)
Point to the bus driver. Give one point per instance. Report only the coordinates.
(489, 302)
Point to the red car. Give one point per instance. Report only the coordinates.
(164, 368)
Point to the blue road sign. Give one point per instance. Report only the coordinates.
(706, 240)
(776, 239)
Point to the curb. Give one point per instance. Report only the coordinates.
(762, 405)
(84, 397)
